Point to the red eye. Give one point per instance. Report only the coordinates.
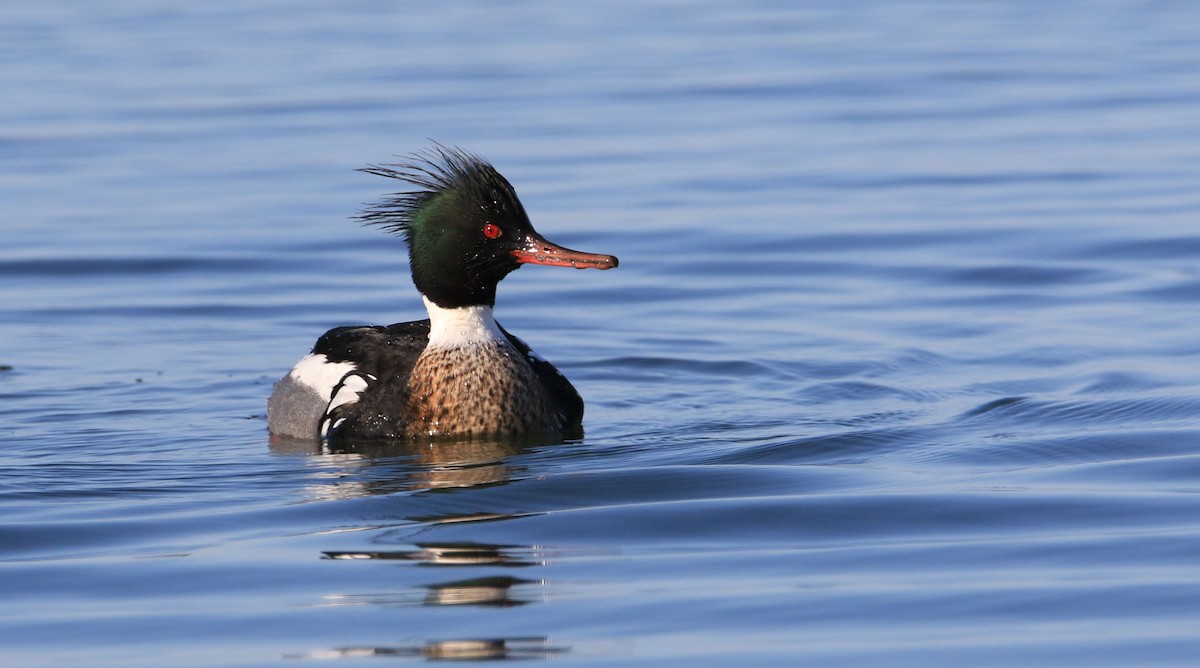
(491, 231)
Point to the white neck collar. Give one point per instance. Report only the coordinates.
(463, 326)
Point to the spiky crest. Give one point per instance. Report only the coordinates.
(440, 170)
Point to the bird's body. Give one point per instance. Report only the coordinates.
(458, 373)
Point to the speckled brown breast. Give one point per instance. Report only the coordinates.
(478, 389)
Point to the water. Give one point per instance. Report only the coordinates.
(900, 366)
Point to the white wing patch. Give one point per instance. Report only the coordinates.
(348, 391)
(318, 373)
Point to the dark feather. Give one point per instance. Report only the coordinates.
(434, 171)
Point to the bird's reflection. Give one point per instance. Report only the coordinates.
(355, 469)
(350, 470)
(454, 554)
(482, 649)
(492, 592)
(487, 592)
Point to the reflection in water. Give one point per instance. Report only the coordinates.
(377, 468)
(454, 650)
(495, 592)
(356, 469)
(456, 554)
(488, 592)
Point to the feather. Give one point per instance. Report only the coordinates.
(436, 171)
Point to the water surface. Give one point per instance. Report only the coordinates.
(899, 366)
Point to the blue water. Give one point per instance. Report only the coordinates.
(901, 365)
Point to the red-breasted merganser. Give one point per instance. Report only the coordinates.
(459, 373)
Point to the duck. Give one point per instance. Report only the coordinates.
(457, 373)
